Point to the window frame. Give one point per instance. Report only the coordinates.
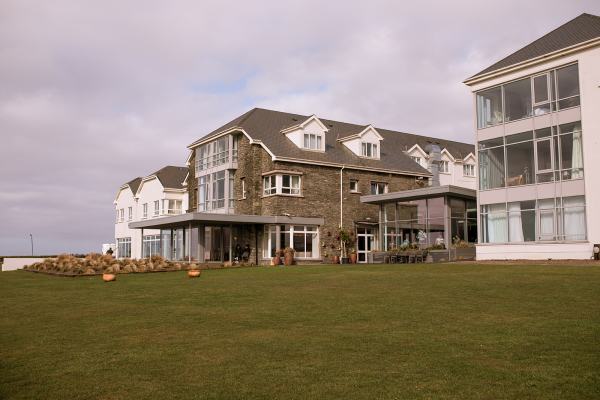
(315, 141)
(469, 168)
(553, 98)
(276, 186)
(445, 170)
(377, 185)
(369, 150)
(356, 188)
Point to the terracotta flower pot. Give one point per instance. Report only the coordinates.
(109, 277)
(288, 259)
(194, 273)
(353, 258)
(276, 260)
(335, 259)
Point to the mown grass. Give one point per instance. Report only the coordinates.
(320, 332)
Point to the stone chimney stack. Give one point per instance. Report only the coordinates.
(435, 156)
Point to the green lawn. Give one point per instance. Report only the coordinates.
(318, 332)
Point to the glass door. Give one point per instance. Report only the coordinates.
(365, 242)
(544, 160)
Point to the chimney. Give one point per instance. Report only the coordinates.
(435, 156)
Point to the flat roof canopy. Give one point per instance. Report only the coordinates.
(214, 218)
(422, 193)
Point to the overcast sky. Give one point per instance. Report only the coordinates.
(93, 94)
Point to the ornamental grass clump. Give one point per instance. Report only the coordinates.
(95, 263)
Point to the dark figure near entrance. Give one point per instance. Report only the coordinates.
(109, 251)
(238, 252)
(246, 253)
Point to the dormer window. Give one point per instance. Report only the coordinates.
(313, 141)
(416, 159)
(308, 135)
(370, 150)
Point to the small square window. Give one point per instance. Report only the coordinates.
(369, 150)
(468, 170)
(379, 187)
(353, 185)
(444, 166)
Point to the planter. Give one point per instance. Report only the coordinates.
(335, 260)
(344, 260)
(194, 273)
(288, 259)
(109, 277)
(463, 253)
(275, 260)
(353, 258)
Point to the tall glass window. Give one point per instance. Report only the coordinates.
(571, 151)
(573, 218)
(494, 227)
(124, 247)
(521, 221)
(203, 193)
(218, 190)
(545, 155)
(489, 107)
(552, 219)
(150, 245)
(304, 239)
(491, 164)
(220, 150)
(517, 99)
(541, 94)
(519, 159)
(550, 91)
(567, 86)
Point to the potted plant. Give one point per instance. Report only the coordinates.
(353, 256)
(109, 275)
(194, 271)
(276, 260)
(344, 238)
(288, 256)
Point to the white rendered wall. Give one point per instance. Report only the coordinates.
(535, 251)
(126, 199)
(589, 83)
(15, 263)
(459, 178)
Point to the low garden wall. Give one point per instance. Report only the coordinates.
(14, 263)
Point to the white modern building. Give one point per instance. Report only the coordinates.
(160, 194)
(537, 121)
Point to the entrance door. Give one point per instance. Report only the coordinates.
(365, 242)
(217, 243)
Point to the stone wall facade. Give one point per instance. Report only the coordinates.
(320, 192)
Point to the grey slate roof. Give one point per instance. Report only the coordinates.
(171, 177)
(580, 29)
(134, 184)
(266, 126)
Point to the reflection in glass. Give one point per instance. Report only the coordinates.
(517, 99)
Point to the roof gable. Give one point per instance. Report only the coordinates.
(584, 28)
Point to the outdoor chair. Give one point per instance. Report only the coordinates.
(419, 257)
